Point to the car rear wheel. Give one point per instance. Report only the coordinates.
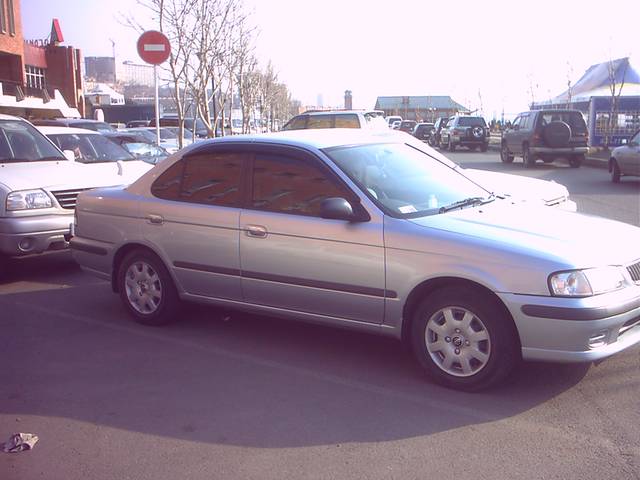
(615, 171)
(528, 159)
(505, 156)
(146, 289)
(576, 160)
(463, 339)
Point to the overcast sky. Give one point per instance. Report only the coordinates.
(483, 53)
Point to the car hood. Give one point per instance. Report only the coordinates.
(64, 174)
(569, 238)
(517, 186)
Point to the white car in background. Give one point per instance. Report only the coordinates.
(101, 155)
(39, 185)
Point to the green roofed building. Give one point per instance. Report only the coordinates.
(421, 109)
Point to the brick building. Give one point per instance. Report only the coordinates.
(38, 78)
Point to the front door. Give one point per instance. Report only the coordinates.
(294, 260)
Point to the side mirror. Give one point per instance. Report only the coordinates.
(337, 208)
(69, 155)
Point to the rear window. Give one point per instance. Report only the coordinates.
(573, 119)
(320, 121)
(347, 121)
(472, 122)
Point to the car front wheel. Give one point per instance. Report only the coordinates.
(146, 289)
(463, 339)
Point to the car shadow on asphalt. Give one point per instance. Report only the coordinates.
(234, 378)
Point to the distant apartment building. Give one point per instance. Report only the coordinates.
(100, 69)
(111, 71)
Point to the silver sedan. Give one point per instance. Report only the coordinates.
(375, 232)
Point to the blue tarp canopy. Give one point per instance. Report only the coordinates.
(596, 81)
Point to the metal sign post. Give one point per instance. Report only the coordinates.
(154, 48)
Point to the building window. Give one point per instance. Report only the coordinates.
(12, 21)
(35, 77)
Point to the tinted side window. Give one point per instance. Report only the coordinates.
(320, 121)
(347, 121)
(290, 185)
(212, 179)
(297, 123)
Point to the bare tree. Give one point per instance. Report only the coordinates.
(175, 19)
(615, 88)
(215, 21)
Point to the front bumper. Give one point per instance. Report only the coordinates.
(36, 234)
(576, 329)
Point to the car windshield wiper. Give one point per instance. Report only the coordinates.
(467, 202)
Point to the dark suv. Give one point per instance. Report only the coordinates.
(434, 136)
(546, 134)
(465, 131)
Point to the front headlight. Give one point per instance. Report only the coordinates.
(27, 200)
(584, 283)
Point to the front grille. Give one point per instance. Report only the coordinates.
(67, 198)
(634, 271)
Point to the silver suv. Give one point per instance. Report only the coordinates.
(375, 232)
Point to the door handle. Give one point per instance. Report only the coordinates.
(155, 219)
(256, 231)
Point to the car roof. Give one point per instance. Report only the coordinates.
(318, 138)
(4, 116)
(49, 130)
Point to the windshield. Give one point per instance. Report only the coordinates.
(20, 142)
(95, 126)
(403, 180)
(148, 134)
(167, 134)
(90, 148)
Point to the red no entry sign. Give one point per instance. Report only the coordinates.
(153, 47)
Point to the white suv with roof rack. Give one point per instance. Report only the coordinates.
(368, 119)
(38, 188)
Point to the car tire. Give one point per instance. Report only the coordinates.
(527, 159)
(615, 171)
(147, 289)
(505, 155)
(576, 160)
(463, 339)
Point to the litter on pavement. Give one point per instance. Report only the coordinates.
(19, 442)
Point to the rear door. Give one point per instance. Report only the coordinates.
(294, 260)
(192, 219)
